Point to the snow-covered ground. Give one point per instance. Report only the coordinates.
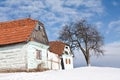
(83, 73)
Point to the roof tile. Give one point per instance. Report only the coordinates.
(16, 31)
(57, 47)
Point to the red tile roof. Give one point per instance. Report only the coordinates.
(16, 31)
(57, 47)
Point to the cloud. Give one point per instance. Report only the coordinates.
(115, 3)
(52, 13)
(99, 24)
(55, 6)
(113, 48)
(110, 58)
(114, 26)
(95, 6)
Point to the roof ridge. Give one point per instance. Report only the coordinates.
(58, 41)
(17, 20)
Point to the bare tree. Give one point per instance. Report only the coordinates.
(83, 36)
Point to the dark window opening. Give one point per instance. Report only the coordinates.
(69, 61)
(66, 52)
(39, 28)
(62, 63)
(38, 54)
(66, 47)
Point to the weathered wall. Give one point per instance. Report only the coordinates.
(39, 34)
(12, 57)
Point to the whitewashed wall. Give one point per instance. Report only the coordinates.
(22, 56)
(68, 56)
(53, 61)
(12, 57)
(68, 66)
(31, 53)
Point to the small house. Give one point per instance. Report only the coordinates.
(60, 56)
(23, 45)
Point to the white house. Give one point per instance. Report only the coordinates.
(23, 45)
(60, 56)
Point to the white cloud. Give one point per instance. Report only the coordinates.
(95, 6)
(113, 48)
(55, 6)
(3, 17)
(99, 24)
(91, 5)
(115, 3)
(74, 3)
(50, 12)
(114, 26)
(110, 58)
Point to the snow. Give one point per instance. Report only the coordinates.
(83, 73)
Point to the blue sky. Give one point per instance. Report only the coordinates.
(105, 14)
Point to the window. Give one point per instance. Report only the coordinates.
(38, 28)
(38, 54)
(66, 52)
(66, 47)
(68, 61)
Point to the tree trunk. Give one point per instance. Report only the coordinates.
(88, 58)
(88, 61)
